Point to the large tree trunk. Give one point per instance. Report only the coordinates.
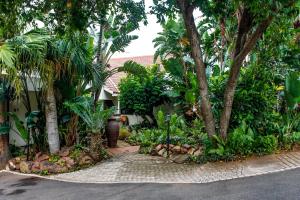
(187, 12)
(4, 148)
(72, 135)
(244, 45)
(51, 120)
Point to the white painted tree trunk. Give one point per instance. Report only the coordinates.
(51, 120)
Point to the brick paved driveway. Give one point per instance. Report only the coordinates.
(138, 168)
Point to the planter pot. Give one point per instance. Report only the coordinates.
(4, 150)
(112, 132)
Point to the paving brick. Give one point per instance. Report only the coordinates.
(134, 167)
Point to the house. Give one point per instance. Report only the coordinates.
(109, 94)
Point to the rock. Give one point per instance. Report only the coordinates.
(177, 149)
(191, 151)
(183, 150)
(19, 159)
(42, 157)
(165, 154)
(60, 169)
(39, 154)
(158, 147)
(198, 152)
(25, 166)
(86, 160)
(70, 163)
(187, 146)
(11, 165)
(52, 167)
(64, 152)
(172, 146)
(161, 152)
(47, 166)
(180, 158)
(36, 167)
(95, 156)
(153, 152)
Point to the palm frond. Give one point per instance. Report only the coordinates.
(133, 68)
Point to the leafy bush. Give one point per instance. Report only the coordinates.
(296, 137)
(265, 144)
(241, 141)
(139, 94)
(289, 140)
(180, 133)
(254, 102)
(123, 133)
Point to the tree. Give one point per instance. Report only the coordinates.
(113, 21)
(250, 25)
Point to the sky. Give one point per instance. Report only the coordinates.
(143, 45)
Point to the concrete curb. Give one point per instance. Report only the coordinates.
(150, 182)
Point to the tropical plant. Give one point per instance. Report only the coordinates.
(250, 24)
(28, 130)
(94, 119)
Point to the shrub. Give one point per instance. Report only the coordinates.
(139, 94)
(241, 141)
(296, 137)
(124, 133)
(254, 101)
(265, 144)
(217, 148)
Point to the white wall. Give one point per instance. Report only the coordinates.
(18, 107)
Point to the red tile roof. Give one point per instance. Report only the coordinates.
(143, 60)
(113, 82)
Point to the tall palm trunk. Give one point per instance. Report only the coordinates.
(51, 120)
(4, 150)
(99, 60)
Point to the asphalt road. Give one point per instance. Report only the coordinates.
(283, 185)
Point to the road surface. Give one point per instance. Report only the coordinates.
(282, 185)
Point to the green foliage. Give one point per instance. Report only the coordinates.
(265, 144)
(124, 133)
(22, 130)
(4, 129)
(95, 119)
(292, 90)
(171, 41)
(180, 133)
(16, 151)
(139, 94)
(255, 101)
(241, 140)
(54, 158)
(161, 120)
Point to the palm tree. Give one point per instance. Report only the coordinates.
(36, 52)
(111, 38)
(95, 119)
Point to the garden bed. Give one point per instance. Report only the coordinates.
(67, 160)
